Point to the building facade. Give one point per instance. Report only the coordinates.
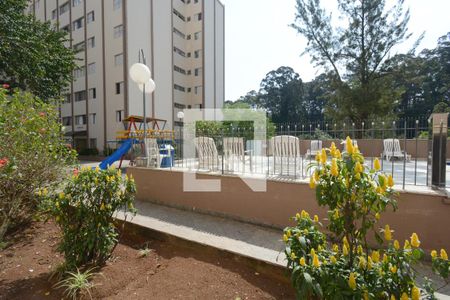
(183, 41)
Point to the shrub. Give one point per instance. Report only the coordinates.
(348, 268)
(33, 155)
(85, 210)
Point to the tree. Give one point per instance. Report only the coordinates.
(281, 94)
(354, 55)
(32, 54)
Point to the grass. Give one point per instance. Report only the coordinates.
(144, 252)
(77, 283)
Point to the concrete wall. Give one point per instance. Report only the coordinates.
(427, 214)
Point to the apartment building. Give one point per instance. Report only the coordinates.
(183, 41)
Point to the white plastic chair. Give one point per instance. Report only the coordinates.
(316, 147)
(154, 157)
(286, 151)
(391, 149)
(208, 157)
(233, 148)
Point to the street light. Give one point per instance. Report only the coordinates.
(141, 74)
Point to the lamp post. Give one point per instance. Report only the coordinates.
(140, 73)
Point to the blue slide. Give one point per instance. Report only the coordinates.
(124, 148)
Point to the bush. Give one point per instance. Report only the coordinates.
(33, 155)
(349, 268)
(85, 210)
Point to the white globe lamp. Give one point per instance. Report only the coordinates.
(180, 115)
(140, 73)
(149, 86)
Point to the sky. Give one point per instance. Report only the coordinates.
(258, 38)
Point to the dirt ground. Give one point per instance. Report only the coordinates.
(168, 272)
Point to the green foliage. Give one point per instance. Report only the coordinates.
(84, 211)
(32, 54)
(441, 107)
(33, 155)
(355, 197)
(77, 283)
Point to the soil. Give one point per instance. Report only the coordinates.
(167, 272)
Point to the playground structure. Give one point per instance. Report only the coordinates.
(134, 135)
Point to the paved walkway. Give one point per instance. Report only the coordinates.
(258, 242)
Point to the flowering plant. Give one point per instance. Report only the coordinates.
(347, 268)
(84, 211)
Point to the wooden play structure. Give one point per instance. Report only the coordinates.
(135, 129)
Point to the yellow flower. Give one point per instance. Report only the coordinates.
(393, 297)
(288, 233)
(312, 183)
(333, 259)
(444, 255)
(349, 145)
(362, 262)
(433, 254)
(285, 238)
(393, 269)
(316, 262)
(359, 249)
(347, 182)
(57, 218)
(102, 207)
(375, 256)
(415, 293)
(352, 281)
(359, 168)
(390, 181)
(396, 245)
(377, 216)
(337, 154)
(358, 176)
(335, 248)
(302, 261)
(404, 297)
(385, 258)
(57, 204)
(336, 214)
(369, 263)
(387, 233)
(333, 149)
(376, 164)
(318, 158)
(334, 168)
(406, 245)
(313, 252)
(44, 192)
(316, 218)
(316, 175)
(305, 214)
(344, 250)
(415, 240)
(293, 257)
(366, 295)
(323, 156)
(345, 242)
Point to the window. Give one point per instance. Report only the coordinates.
(189, 90)
(90, 17)
(197, 89)
(67, 98)
(67, 121)
(197, 35)
(179, 33)
(54, 14)
(91, 42)
(197, 53)
(118, 59)
(189, 72)
(198, 72)
(66, 28)
(118, 31)
(93, 143)
(189, 54)
(93, 118)
(64, 8)
(189, 37)
(92, 93)
(117, 4)
(178, 14)
(37, 4)
(91, 68)
(80, 120)
(79, 47)
(79, 72)
(77, 24)
(119, 116)
(198, 16)
(195, 1)
(119, 87)
(76, 2)
(179, 70)
(179, 51)
(179, 88)
(80, 96)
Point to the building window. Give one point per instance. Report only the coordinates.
(198, 16)
(80, 96)
(91, 68)
(93, 118)
(189, 90)
(189, 72)
(179, 70)
(79, 72)
(67, 98)
(117, 4)
(76, 2)
(64, 8)
(118, 59)
(66, 28)
(197, 89)
(119, 115)
(67, 121)
(79, 47)
(189, 37)
(197, 53)
(77, 24)
(179, 33)
(93, 93)
(91, 42)
(54, 14)
(119, 87)
(197, 35)
(118, 31)
(189, 54)
(93, 143)
(179, 51)
(198, 72)
(80, 120)
(195, 1)
(178, 14)
(179, 88)
(90, 17)
(37, 3)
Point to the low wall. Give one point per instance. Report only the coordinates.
(426, 213)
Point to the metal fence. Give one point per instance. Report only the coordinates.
(289, 149)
